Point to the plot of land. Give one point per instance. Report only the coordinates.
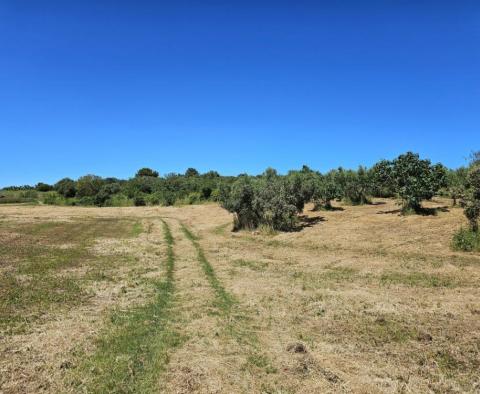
(169, 300)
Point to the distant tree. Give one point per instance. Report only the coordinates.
(211, 174)
(105, 193)
(66, 187)
(43, 187)
(415, 180)
(383, 184)
(457, 184)
(88, 186)
(357, 186)
(326, 190)
(191, 172)
(472, 207)
(146, 172)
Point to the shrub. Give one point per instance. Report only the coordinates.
(28, 195)
(105, 193)
(66, 187)
(43, 187)
(88, 185)
(139, 201)
(119, 200)
(239, 200)
(53, 198)
(466, 240)
(87, 200)
(266, 201)
(194, 198)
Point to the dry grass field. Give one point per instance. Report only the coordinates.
(360, 299)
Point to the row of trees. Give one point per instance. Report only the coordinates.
(146, 187)
(274, 201)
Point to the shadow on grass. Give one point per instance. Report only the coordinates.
(422, 211)
(305, 221)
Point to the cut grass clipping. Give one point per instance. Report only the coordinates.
(135, 348)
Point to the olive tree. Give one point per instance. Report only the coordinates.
(238, 199)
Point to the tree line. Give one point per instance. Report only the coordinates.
(274, 201)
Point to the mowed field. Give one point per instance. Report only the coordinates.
(148, 299)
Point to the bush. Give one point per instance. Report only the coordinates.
(87, 201)
(139, 201)
(29, 195)
(88, 185)
(194, 198)
(53, 198)
(266, 201)
(66, 187)
(105, 193)
(466, 240)
(119, 200)
(239, 200)
(43, 187)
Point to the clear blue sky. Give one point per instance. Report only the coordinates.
(106, 87)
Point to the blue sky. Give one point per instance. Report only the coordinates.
(107, 87)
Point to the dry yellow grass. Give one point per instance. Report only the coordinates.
(360, 300)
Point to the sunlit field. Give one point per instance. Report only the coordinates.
(157, 299)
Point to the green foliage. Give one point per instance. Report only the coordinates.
(88, 185)
(466, 240)
(413, 179)
(383, 184)
(191, 172)
(472, 207)
(66, 187)
(105, 193)
(457, 184)
(357, 186)
(146, 172)
(269, 201)
(53, 198)
(326, 190)
(139, 201)
(239, 199)
(43, 187)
